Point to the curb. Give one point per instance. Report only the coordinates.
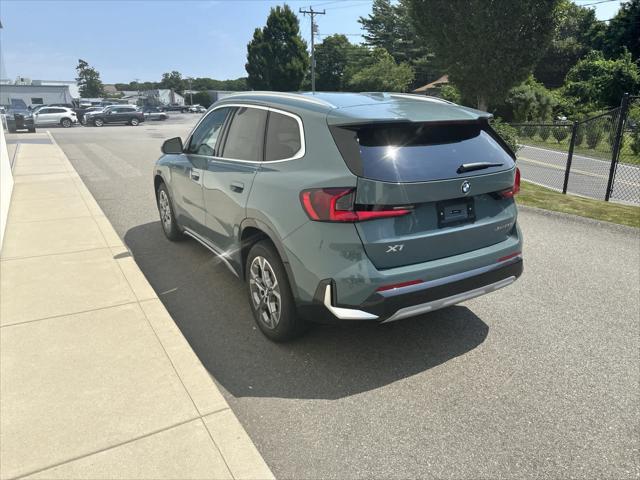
(227, 434)
(579, 219)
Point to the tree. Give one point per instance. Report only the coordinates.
(530, 101)
(277, 56)
(624, 31)
(332, 62)
(390, 26)
(577, 31)
(88, 80)
(601, 82)
(383, 75)
(202, 98)
(172, 80)
(488, 46)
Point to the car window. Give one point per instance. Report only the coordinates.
(43, 110)
(203, 140)
(246, 135)
(283, 137)
(57, 110)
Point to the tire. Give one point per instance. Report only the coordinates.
(66, 123)
(276, 318)
(167, 217)
(32, 130)
(98, 122)
(134, 122)
(12, 130)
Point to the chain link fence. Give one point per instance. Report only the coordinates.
(598, 157)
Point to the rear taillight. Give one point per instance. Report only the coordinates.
(513, 191)
(338, 205)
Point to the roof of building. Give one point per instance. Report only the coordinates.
(50, 88)
(443, 80)
(354, 108)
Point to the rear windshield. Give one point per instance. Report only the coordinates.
(421, 152)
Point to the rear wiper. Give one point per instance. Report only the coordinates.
(470, 167)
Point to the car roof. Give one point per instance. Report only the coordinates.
(366, 107)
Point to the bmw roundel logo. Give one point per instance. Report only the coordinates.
(465, 187)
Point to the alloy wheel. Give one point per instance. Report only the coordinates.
(265, 292)
(165, 210)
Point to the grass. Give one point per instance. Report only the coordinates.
(603, 149)
(541, 197)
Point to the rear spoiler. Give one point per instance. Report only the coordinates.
(414, 112)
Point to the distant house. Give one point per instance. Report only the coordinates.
(110, 89)
(434, 87)
(161, 96)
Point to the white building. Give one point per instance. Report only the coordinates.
(162, 96)
(33, 95)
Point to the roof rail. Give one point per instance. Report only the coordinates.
(417, 96)
(292, 96)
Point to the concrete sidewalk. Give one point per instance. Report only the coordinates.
(96, 380)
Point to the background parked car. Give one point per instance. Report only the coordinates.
(154, 113)
(197, 109)
(19, 119)
(84, 112)
(62, 116)
(176, 108)
(127, 114)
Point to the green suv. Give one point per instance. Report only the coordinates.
(367, 207)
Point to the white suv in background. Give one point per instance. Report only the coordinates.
(62, 116)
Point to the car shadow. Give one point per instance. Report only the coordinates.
(209, 305)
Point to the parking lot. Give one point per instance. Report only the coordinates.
(540, 379)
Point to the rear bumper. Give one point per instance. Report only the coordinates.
(415, 300)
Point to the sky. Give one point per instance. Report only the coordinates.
(130, 39)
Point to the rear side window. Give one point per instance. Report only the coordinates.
(283, 137)
(245, 137)
(420, 152)
(204, 138)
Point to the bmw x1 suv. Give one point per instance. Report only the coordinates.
(367, 207)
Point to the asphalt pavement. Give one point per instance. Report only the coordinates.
(588, 176)
(540, 379)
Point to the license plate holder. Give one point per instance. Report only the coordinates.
(455, 212)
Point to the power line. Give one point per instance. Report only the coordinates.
(314, 28)
(326, 3)
(598, 2)
(361, 3)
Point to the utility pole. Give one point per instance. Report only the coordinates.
(190, 91)
(314, 28)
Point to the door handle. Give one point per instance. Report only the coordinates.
(237, 186)
(195, 176)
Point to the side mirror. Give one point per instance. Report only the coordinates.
(172, 146)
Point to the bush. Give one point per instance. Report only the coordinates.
(451, 93)
(594, 134)
(544, 133)
(508, 133)
(529, 131)
(579, 135)
(560, 133)
(635, 142)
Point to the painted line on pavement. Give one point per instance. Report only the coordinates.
(573, 170)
